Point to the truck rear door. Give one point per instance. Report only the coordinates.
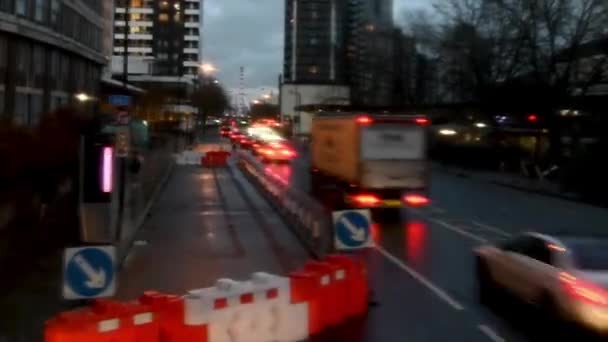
(394, 156)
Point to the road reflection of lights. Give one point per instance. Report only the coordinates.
(415, 240)
(447, 132)
(376, 231)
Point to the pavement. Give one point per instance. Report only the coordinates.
(32, 282)
(422, 271)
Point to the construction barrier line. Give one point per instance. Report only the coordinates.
(320, 295)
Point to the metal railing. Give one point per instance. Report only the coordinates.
(305, 216)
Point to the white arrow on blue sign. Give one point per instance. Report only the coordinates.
(352, 229)
(89, 272)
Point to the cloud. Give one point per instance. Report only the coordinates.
(246, 33)
(249, 33)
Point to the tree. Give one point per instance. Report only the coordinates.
(210, 99)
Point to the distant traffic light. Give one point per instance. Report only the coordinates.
(532, 118)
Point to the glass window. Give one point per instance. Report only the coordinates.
(24, 58)
(3, 57)
(163, 17)
(21, 109)
(41, 10)
(6, 6)
(21, 7)
(55, 13)
(35, 109)
(38, 66)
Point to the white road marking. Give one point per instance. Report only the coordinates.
(420, 278)
(490, 333)
(458, 230)
(492, 229)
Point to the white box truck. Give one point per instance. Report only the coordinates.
(370, 160)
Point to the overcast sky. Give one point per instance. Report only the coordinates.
(249, 33)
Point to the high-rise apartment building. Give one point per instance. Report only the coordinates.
(163, 42)
(370, 51)
(314, 41)
(50, 50)
(347, 42)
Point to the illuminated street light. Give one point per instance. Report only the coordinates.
(208, 68)
(481, 125)
(216, 82)
(266, 96)
(82, 97)
(256, 102)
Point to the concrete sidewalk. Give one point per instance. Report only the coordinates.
(31, 293)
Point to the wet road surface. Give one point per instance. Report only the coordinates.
(208, 224)
(423, 270)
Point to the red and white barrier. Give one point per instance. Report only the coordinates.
(264, 308)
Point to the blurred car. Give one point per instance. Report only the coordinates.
(277, 150)
(565, 276)
(225, 131)
(235, 135)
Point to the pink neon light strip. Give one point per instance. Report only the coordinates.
(106, 180)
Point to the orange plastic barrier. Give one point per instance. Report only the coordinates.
(305, 288)
(329, 291)
(356, 290)
(170, 311)
(266, 307)
(215, 158)
(104, 321)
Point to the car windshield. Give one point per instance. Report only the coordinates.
(589, 254)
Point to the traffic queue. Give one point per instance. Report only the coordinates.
(262, 139)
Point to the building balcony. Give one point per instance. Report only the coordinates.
(136, 10)
(192, 11)
(134, 49)
(191, 50)
(121, 23)
(133, 36)
(190, 38)
(193, 64)
(192, 24)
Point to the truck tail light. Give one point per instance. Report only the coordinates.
(422, 121)
(364, 120)
(416, 200)
(366, 199)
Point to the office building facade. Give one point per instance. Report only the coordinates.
(50, 50)
(163, 43)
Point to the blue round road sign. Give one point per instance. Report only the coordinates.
(89, 272)
(353, 229)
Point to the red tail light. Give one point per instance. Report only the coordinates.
(366, 199)
(584, 291)
(416, 200)
(422, 121)
(288, 152)
(364, 120)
